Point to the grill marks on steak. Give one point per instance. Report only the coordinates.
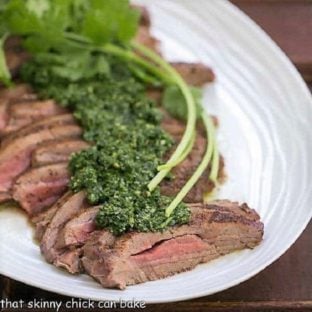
(214, 230)
(39, 188)
(57, 151)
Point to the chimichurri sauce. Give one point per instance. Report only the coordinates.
(128, 144)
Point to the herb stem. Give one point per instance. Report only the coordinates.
(77, 37)
(200, 169)
(215, 163)
(122, 53)
(183, 156)
(132, 57)
(191, 117)
(5, 75)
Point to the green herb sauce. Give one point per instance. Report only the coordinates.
(128, 142)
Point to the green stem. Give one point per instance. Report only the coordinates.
(214, 172)
(132, 57)
(77, 37)
(200, 169)
(127, 55)
(5, 75)
(191, 109)
(183, 156)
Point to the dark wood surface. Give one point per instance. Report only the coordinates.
(289, 23)
(287, 284)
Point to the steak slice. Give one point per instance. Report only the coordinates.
(42, 220)
(70, 261)
(39, 188)
(6, 96)
(78, 230)
(45, 123)
(23, 113)
(195, 74)
(15, 156)
(145, 37)
(214, 230)
(16, 92)
(98, 242)
(72, 236)
(57, 151)
(68, 206)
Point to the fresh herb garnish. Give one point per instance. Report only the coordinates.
(78, 43)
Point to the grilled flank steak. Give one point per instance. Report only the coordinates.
(45, 142)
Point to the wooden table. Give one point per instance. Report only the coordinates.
(287, 284)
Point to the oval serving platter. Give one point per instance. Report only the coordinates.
(265, 113)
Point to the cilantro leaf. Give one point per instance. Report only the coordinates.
(109, 21)
(174, 101)
(74, 66)
(38, 7)
(59, 26)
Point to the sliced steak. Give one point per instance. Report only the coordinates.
(25, 112)
(214, 230)
(45, 123)
(6, 97)
(70, 261)
(72, 236)
(78, 230)
(98, 242)
(15, 92)
(39, 188)
(195, 74)
(15, 157)
(42, 220)
(57, 151)
(145, 37)
(68, 206)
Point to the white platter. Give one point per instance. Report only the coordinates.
(265, 135)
